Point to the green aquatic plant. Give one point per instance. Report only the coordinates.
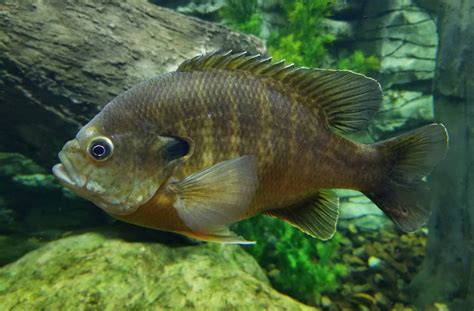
(303, 40)
(296, 263)
(242, 15)
(359, 62)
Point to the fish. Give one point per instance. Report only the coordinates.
(230, 135)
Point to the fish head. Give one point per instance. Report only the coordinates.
(117, 170)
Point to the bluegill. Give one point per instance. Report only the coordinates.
(230, 135)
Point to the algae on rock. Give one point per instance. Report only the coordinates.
(99, 271)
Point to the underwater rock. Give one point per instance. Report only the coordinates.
(404, 36)
(97, 271)
(341, 29)
(401, 110)
(326, 301)
(347, 8)
(54, 76)
(448, 273)
(359, 212)
(201, 8)
(374, 262)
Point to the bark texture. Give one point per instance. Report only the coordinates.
(61, 61)
(448, 273)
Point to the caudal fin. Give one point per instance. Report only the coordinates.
(404, 196)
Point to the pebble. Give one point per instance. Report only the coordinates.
(352, 260)
(378, 278)
(441, 306)
(381, 299)
(352, 229)
(360, 252)
(374, 262)
(326, 301)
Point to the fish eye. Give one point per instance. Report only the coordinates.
(100, 149)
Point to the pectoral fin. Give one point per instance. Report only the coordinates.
(316, 216)
(210, 200)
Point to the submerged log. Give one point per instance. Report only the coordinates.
(61, 61)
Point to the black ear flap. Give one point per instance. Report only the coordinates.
(176, 148)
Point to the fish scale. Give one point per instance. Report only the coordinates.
(230, 135)
(264, 128)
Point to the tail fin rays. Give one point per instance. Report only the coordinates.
(404, 196)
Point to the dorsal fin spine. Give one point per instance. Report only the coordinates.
(348, 99)
(273, 67)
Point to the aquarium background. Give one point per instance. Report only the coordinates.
(61, 61)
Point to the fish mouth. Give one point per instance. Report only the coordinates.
(65, 173)
(60, 173)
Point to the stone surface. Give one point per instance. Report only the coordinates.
(404, 37)
(201, 8)
(61, 61)
(356, 210)
(342, 30)
(448, 272)
(401, 110)
(347, 8)
(95, 271)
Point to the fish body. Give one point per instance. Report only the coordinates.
(228, 136)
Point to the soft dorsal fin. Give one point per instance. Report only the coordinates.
(348, 99)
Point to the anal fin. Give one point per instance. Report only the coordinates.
(316, 216)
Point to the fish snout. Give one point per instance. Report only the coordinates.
(71, 147)
(65, 170)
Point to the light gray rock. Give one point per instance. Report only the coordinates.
(448, 274)
(401, 110)
(202, 7)
(404, 37)
(347, 7)
(356, 209)
(95, 271)
(342, 30)
(356, 206)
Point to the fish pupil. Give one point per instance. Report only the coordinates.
(98, 150)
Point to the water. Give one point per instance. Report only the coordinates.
(61, 62)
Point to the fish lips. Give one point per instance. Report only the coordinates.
(66, 175)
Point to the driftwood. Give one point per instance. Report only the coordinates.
(61, 61)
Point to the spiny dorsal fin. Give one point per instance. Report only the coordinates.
(317, 216)
(349, 99)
